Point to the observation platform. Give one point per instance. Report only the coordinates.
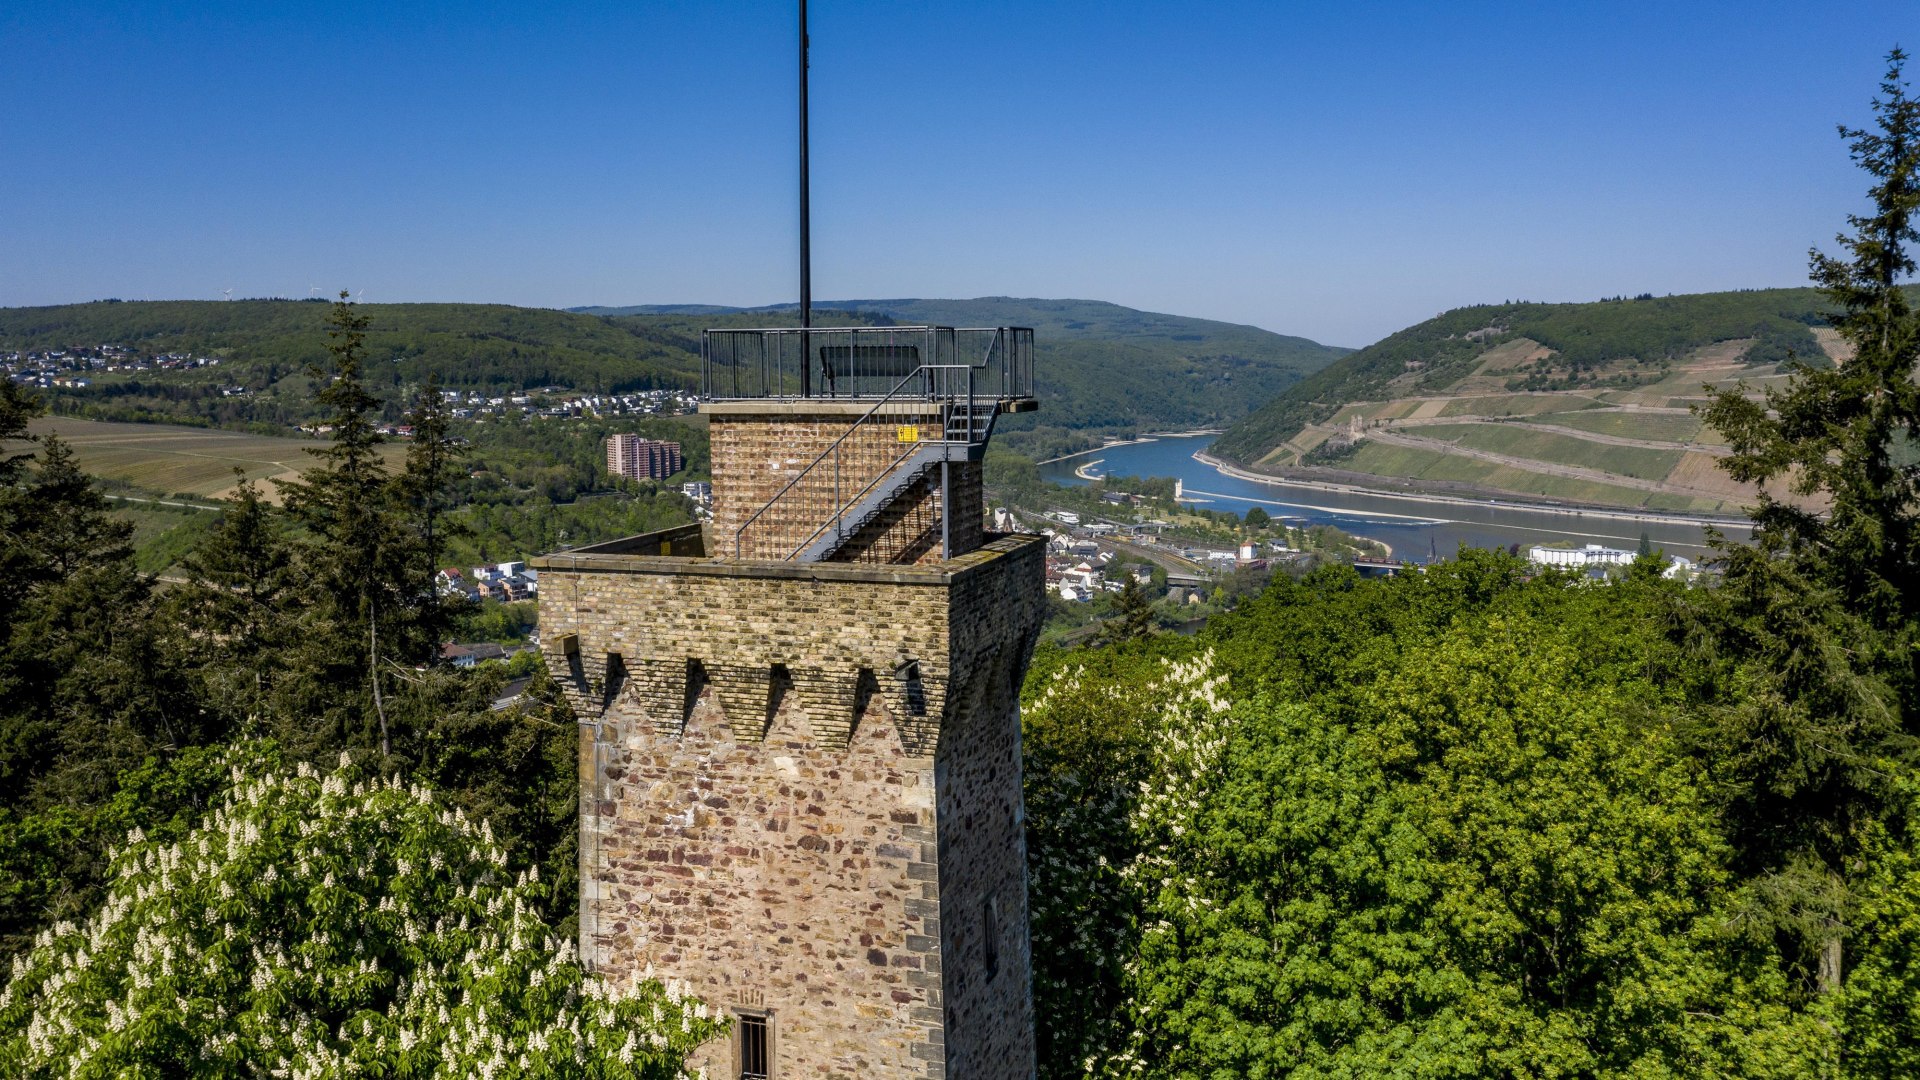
(856, 444)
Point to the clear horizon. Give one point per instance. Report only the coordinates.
(1335, 175)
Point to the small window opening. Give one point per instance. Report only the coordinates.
(779, 685)
(913, 691)
(990, 941)
(755, 1063)
(696, 682)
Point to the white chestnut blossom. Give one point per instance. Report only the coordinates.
(326, 926)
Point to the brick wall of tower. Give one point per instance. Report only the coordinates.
(756, 454)
(801, 845)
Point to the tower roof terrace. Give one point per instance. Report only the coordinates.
(871, 364)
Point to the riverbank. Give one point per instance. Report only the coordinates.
(1151, 436)
(1509, 502)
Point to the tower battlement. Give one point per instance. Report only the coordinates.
(800, 734)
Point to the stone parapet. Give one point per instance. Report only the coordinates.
(801, 793)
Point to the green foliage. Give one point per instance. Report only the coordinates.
(242, 581)
(1443, 822)
(1875, 1011)
(283, 622)
(1815, 634)
(491, 534)
(328, 924)
(1088, 731)
(1132, 615)
(491, 620)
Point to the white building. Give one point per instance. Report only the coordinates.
(1579, 558)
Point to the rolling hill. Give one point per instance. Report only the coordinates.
(1586, 403)
(1102, 369)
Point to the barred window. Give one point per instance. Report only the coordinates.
(755, 1062)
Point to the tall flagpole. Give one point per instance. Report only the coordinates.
(806, 223)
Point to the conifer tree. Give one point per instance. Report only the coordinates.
(1132, 618)
(16, 552)
(1818, 621)
(352, 555)
(240, 583)
(424, 491)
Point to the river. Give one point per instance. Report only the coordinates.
(1414, 527)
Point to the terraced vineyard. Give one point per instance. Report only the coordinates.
(1587, 403)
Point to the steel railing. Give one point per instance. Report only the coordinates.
(862, 362)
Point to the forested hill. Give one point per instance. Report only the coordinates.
(1101, 368)
(475, 345)
(1588, 402)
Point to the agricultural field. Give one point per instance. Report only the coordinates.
(1440, 467)
(1534, 444)
(1673, 427)
(193, 462)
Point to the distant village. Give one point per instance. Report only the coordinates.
(73, 368)
(76, 368)
(560, 402)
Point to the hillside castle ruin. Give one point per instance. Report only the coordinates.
(800, 737)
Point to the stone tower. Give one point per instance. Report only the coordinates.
(800, 737)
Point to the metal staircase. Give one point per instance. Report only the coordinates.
(967, 431)
(932, 392)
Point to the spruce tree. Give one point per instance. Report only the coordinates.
(351, 556)
(236, 604)
(424, 492)
(1815, 625)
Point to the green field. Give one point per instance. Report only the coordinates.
(1433, 465)
(173, 460)
(1660, 427)
(1641, 463)
(1516, 404)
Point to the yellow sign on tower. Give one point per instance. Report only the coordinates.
(907, 433)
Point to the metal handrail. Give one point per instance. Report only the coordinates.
(778, 362)
(924, 371)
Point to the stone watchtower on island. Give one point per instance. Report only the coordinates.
(800, 736)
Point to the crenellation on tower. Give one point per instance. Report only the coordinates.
(800, 735)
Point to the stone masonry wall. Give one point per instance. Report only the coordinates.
(984, 944)
(800, 791)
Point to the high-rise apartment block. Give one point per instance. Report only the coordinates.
(639, 458)
(800, 756)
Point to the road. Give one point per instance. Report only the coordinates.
(163, 502)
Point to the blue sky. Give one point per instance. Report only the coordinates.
(1337, 171)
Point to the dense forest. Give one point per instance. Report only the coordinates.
(1102, 368)
(1481, 820)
